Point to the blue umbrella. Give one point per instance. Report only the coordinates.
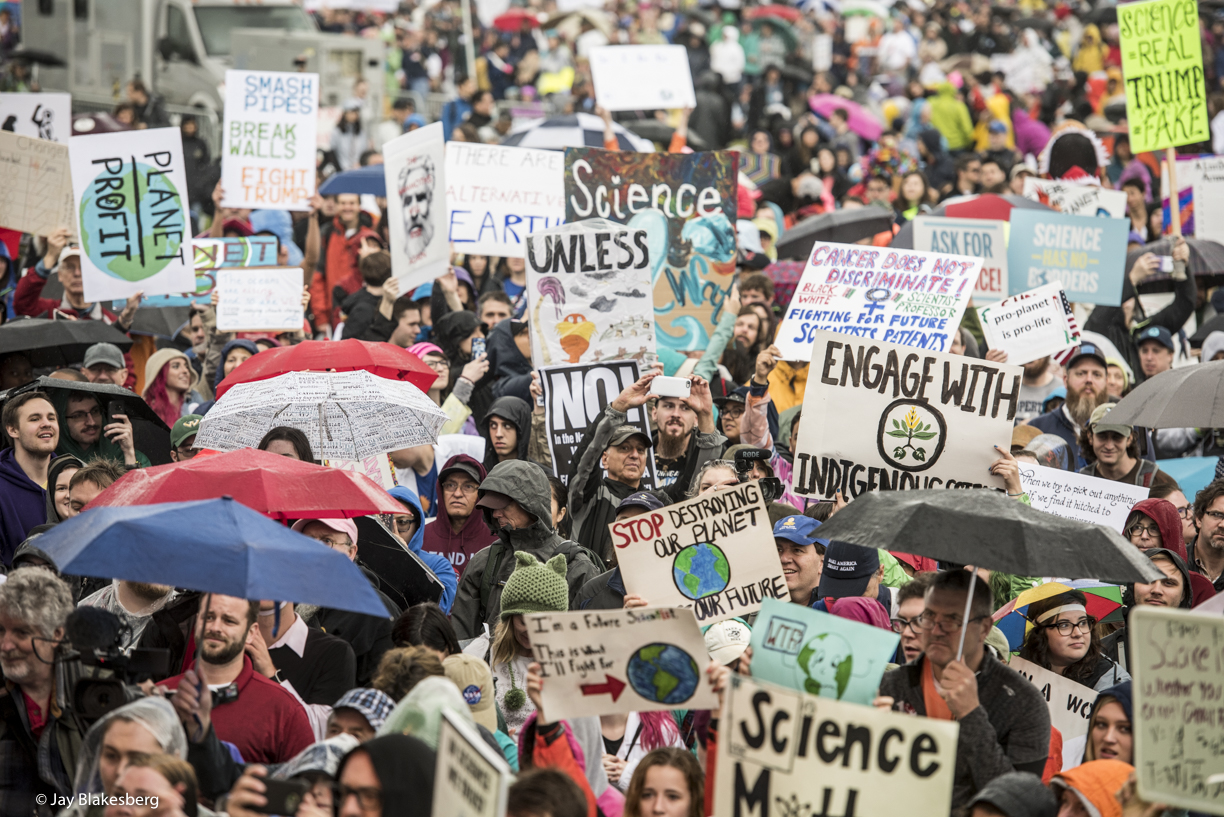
(213, 546)
(363, 180)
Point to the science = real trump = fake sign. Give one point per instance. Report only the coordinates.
(268, 150)
(899, 296)
(713, 553)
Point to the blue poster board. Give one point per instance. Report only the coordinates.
(1086, 255)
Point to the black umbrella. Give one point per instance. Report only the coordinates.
(1104, 15)
(57, 343)
(401, 573)
(36, 57)
(161, 321)
(987, 529)
(1216, 324)
(1037, 23)
(904, 239)
(134, 405)
(842, 226)
(1206, 257)
(1186, 397)
(661, 132)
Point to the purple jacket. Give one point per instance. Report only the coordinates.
(1031, 135)
(23, 504)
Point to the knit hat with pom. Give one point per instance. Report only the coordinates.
(534, 587)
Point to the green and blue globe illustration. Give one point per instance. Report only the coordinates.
(131, 224)
(701, 570)
(663, 673)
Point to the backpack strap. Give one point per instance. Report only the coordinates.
(497, 552)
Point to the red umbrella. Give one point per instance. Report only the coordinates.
(382, 359)
(513, 20)
(989, 206)
(278, 487)
(787, 13)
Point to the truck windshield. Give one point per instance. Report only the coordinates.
(216, 21)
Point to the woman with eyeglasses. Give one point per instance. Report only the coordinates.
(1155, 523)
(1063, 641)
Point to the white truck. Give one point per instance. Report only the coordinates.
(181, 49)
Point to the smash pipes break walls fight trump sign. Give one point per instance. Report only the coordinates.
(268, 159)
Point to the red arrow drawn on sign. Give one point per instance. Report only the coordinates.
(613, 687)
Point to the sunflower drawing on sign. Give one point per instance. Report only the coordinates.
(911, 435)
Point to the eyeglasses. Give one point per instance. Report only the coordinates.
(369, 798)
(1215, 516)
(900, 625)
(948, 623)
(78, 416)
(438, 365)
(1186, 511)
(1138, 530)
(465, 487)
(337, 544)
(1084, 625)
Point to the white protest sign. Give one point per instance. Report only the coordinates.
(878, 416)
(1177, 663)
(377, 467)
(1076, 199)
(602, 662)
(1079, 496)
(1031, 325)
(35, 185)
(415, 172)
(642, 77)
(131, 210)
(714, 553)
(1208, 209)
(783, 752)
(497, 195)
(41, 116)
(982, 238)
(899, 296)
(256, 300)
(1070, 703)
(268, 150)
(589, 294)
(1195, 174)
(471, 780)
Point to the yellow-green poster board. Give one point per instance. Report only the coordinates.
(1162, 60)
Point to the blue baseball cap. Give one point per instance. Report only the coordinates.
(998, 126)
(800, 530)
(1088, 350)
(641, 499)
(1156, 333)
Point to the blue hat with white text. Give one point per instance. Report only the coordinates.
(800, 530)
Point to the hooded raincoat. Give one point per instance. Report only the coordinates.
(517, 411)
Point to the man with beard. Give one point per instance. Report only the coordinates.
(416, 189)
(254, 713)
(1036, 385)
(91, 434)
(1085, 379)
(134, 603)
(39, 735)
(685, 435)
(1207, 551)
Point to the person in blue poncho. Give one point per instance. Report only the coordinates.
(411, 531)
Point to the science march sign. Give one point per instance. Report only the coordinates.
(1087, 255)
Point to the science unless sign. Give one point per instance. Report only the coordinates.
(1087, 255)
(268, 154)
(899, 296)
(784, 753)
(1162, 60)
(714, 553)
(588, 294)
(878, 416)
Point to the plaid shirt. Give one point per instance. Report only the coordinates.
(44, 766)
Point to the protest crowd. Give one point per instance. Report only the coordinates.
(632, 408)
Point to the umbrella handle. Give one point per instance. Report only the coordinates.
(960, 648)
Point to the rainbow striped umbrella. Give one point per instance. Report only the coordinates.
(1011, 618)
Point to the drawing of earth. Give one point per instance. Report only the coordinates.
(701, 570)
(663, 673)
(141, 210)
(828, 662)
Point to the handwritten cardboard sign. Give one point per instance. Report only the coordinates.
(602, 662)
(1087, 255)
(819, 653)
(497, 195)
(1070, 703)
(212, 254)
(977, 237)
(713, 553)
(268, 150)
(783, 752)
(471, 780)
(40, 116)
(253, 300)
(897, 296)
(878, 416)
(574, 396)
(588, 294)
(1177, 662)
(1079, 496)
(686, 205)
(1196, 175)
(642, 77)
(415, 171)
(131, 210)
(35, 185)
(1031, 325)
(1162, 60)
(1076, 199)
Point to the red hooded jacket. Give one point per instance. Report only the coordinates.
(472, 537)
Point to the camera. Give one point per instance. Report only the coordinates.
(746, 458)
(110, 675)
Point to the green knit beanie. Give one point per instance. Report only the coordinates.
(535, 587)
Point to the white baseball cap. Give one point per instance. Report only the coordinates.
(727, 640)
